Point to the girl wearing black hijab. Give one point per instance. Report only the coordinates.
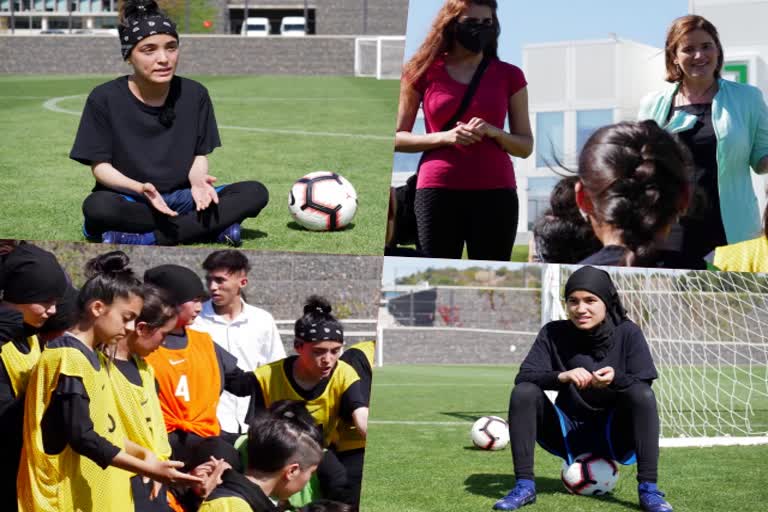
(600, 363)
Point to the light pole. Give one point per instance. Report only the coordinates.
(245, 19)
(306, 17)
(365, 17)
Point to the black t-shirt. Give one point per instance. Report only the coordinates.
(703, 228)
(116, 127)
(555, 351)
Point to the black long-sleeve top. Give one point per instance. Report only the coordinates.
(67, 420)
(555, 351)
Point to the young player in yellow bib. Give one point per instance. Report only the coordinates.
(32, 281)
(75, 455)
(349, 444)
(281, 460)
(749, 256)
(331, 389)
(133, 384)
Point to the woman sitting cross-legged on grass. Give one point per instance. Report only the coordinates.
(599, 362)
(146, 137)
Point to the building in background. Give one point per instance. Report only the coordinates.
(577, 86)
(324, 17)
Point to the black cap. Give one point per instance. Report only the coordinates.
(181, 283)
(30, 274)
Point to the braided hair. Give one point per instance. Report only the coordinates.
(638, 178)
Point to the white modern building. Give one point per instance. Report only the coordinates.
(575, 87)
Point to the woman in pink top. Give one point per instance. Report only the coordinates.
(466, 190)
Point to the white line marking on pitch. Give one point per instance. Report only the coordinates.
(439, 384)
(287, 98)
(53, 105)
(441, 423)
(23, 97)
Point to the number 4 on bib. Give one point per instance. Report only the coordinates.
(182, 389)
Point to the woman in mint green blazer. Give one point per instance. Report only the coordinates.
(724, 124)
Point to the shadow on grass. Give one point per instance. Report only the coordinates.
(252, 234)
(473, 416)
(495, 485)
(298, 227)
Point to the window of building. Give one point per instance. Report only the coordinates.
(549, 138)
(587, 122)
(539, 190)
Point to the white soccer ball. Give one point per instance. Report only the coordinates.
(590, 475)
(322, 201)
(490, 433)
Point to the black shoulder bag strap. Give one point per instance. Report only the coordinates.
(405, 195)
(467, 95)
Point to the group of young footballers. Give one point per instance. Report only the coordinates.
(122, 407)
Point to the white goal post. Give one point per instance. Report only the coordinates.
(707, 331)
(379, 57)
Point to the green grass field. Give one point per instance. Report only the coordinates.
(419, 456)
(273, 129)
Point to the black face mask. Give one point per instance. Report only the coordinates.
(475, 36)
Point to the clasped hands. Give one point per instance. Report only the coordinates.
(583, 379)
(465, 134)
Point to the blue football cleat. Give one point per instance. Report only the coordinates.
(652, 499)
(230, 236)
(121, 237)
(519, 496)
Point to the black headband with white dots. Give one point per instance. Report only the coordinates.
(135, 29)
(324, 330)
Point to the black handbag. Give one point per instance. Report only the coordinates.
(404, 225)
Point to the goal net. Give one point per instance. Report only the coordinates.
(708, 333)
(379, 56)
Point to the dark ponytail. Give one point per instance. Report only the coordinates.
(109, 277)
(637, 177)
(132, 10)
(158, 307)
(295, 412)
(317, 323)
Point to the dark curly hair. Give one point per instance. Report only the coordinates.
(561, 234)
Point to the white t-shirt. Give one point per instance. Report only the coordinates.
(253, 339)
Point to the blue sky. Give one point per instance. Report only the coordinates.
(545, 21)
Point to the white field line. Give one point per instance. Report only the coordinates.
(441, 384)
(23, 97)
(288, 98)
(53, 105)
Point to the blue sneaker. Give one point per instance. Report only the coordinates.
(90, 237)
(652, 499)
(230, 236)
(519, 496)
(121, 237)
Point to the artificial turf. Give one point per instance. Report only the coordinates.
(273, 129)
(420, 458)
